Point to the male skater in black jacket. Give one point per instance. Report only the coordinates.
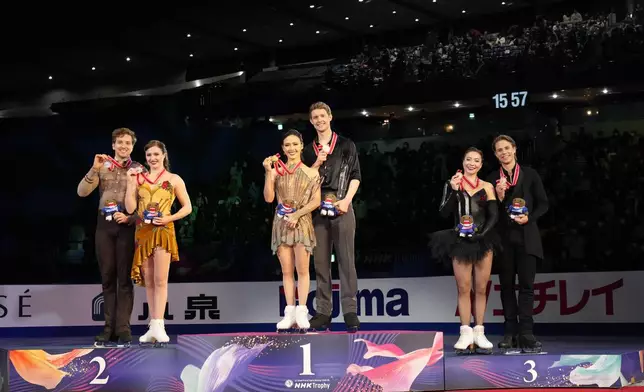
(336, 159)
(523, 201)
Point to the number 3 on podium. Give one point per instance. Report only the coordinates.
(101, 368)
(306, 360)
(531, 370)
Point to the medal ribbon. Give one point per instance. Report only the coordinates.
(114, 163)
(473, 186)
(515, 175)
(145, 177)
(282, 169)
(317, 147)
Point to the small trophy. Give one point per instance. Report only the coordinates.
(327, 208)
(466, 227)
(151, 211)
(287, 207)
(517, 208)
(110, 207)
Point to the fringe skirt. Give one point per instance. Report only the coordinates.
(447, 245)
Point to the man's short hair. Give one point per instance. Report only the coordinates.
(320, 105)
(117, 133)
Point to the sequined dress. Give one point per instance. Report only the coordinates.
(295, 188)
(149, 236)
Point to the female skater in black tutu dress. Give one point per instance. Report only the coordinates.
(469, 245)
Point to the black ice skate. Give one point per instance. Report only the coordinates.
(509, 345)
(104, 338)
(352, 322)
(529, 344)
(320, 323)
(124, 339)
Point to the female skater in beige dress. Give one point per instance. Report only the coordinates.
(297, 189)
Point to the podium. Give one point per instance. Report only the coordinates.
(370, 361)
(382, 361)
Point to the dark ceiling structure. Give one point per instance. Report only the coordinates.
(73, 48)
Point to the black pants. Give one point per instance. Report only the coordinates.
(115, 250)
(514, 261)
(338, 233)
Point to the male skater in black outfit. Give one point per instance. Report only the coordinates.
(336, 159)
(517, 186)
(114, 235)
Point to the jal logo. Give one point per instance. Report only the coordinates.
(393, 303)
(98, 308)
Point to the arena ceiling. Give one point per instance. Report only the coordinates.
(54, 46)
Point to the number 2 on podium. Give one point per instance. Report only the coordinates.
(306, 360)
(101, 368)
(532, 372)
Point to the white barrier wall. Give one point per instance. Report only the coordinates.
(559, 298)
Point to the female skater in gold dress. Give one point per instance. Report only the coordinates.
(151, 195)
(298, 194)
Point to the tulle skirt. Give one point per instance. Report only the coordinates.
(447, 245)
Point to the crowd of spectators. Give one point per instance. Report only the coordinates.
(572, 41)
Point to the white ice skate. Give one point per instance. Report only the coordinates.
(289, 319)
(465, 343)
(482, 345)
(148, 337)
(160, 335)
(302, 317)
(156, 334)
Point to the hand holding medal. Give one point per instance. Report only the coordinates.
(456, 180)
(501, 187)
(502, 184)
(270, 162)
(133, 174)
(101, 160)
(324, 151)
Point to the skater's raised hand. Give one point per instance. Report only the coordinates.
(321, 158)
(99, 160)
(455, 181)
(501, 187)
(132, 175)
(269, 162)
